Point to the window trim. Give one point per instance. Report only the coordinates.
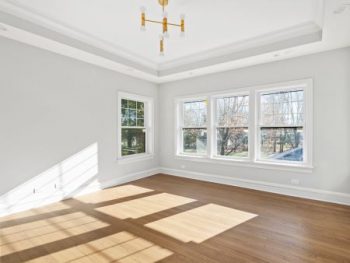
(214, 155)
(254, 146)
(179, 126)
(148, 125)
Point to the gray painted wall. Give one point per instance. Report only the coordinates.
(331, 159)
(52, 107)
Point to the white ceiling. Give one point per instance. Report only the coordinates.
(210, 23)
(220, 32)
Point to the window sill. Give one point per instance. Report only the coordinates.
(135, 158)
(248, 163)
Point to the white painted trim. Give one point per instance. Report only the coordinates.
(299, 31)
(135, 158)
(50, 45)
(23, 206)
(238, 49)
(228, 57)
(302, 192)
(129, 178)
(245, 162)
(254, 132)
(29, 14)
(148, 125)
(307, 86)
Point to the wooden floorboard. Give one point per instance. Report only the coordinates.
(170, 219)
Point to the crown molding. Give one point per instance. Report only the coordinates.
(25, 14)
(302, 34)
(45, 33)
(31, 39)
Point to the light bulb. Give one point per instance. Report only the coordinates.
(143, 9)
(143, 28)
(182, 16)
(161, 53)
(165, 14)
(182, 34)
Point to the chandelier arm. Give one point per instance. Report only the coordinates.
(159, 22)
(154, 21)
(171, 24)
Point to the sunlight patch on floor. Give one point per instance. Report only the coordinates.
(113, 194)
(201, 223)
(122, 247)
(29, 235)
(35, 212)
(145, 206)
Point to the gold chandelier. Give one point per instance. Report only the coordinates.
(164, 22)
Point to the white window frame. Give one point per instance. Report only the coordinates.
(253, 129)
(180, 126)
(148, 125)
(305, 86)
(213, 100)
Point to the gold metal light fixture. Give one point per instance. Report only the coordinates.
(164, 22)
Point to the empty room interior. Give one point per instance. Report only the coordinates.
(174, 131)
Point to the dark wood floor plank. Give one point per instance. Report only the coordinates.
(286, 229)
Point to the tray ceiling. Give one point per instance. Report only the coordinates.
(218, 32)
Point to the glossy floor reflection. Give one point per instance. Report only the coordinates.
(170, 220)
(201, 223)
(145, 206)
(41, 232)
(122, 247)
(114, 193)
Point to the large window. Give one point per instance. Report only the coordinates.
(194, 127)
(232, 121)
(135, 125)
(258, 125)
(281, 125)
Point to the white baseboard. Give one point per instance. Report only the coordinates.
(129, 178)
(46, 198)
(309, 193)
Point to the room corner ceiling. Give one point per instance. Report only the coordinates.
(227, 35)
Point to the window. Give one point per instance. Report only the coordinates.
(232, 121)
(269, 126)
(281, 125)
(135, 125)
(194, 127)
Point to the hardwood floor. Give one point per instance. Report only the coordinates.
(169, 219)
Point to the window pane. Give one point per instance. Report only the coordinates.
(133, 113)
(125, 117)
(232, 111)
(282, 108)
(140, 106)
(140, 122)
(124, 103)
(140, 114)
(282, 144)
(132, 104)
(195, 113)
(133, 141)
(195, 141)
(232, 142)
(132, 118)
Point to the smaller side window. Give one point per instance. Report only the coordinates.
(135, 131)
